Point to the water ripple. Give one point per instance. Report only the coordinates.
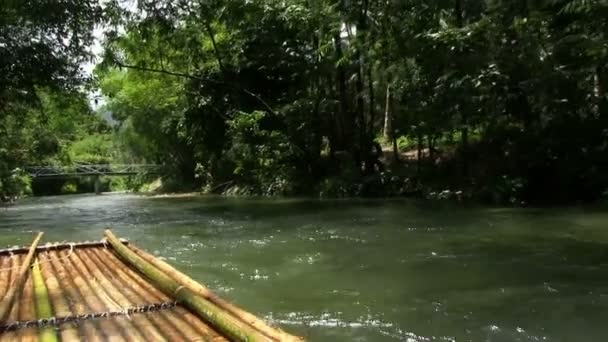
(335, 320)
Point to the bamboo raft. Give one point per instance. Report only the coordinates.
(111, 290)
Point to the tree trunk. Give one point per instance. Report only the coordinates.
(333, 117)
(365, 142)
(372, 104)
(465, 122)
(343, 124)
(395, 149)
(602, 81)
(216, 50)
(458, 13)
(316, 119)
(431, 142)
(419, 142)
(388, 119)
(360, 103)
(465, 146)
(602, 88)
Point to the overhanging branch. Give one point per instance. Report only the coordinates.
(198, 78)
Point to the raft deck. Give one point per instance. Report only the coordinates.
(111, 290)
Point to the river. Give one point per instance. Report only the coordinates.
(363, 270)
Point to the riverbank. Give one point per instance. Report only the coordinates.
(394, 178)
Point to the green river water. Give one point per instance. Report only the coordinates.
(355, 270)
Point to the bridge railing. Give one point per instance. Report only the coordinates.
(91, 170)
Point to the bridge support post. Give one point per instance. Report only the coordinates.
(97, 185)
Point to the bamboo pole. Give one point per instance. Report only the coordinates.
(58, 300)
(203, 291)
(223, 321)
(130, 290)
(92, 330)
(27, 311)
(17, 285)
(145, 330)
(14, 314)
(180, 317)
(5, 274)
(43, 304)
(111, 298)
(97, 301)
(199, 327)
(113, 261)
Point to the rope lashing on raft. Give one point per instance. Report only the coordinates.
(57, 246)
(11, 254)
(57, 321)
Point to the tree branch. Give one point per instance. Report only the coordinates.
(198, 78)
(161, 71)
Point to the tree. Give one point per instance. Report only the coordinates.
(474, 84)
(42, 47)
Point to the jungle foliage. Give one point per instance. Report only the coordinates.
(503, 100)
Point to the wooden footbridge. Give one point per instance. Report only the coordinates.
(110, 290)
